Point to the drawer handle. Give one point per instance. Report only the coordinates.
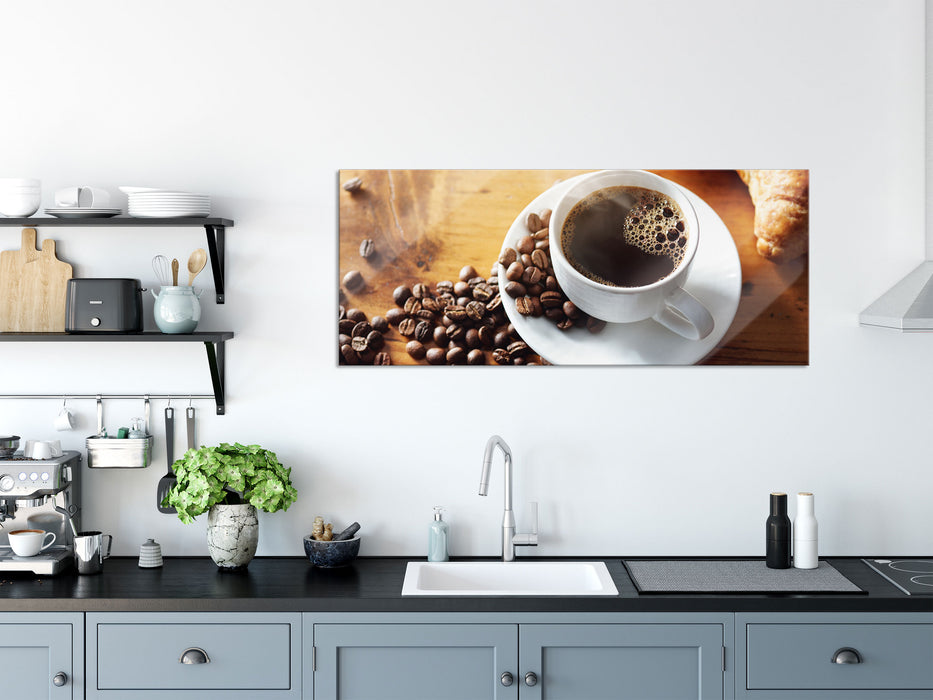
(59, 679)
(531, 679)
(194, 655)
(847, 655)
(506, 679)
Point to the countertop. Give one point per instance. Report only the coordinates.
(290, 584)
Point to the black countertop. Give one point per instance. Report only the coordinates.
(290, 584)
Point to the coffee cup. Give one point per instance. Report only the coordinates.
(85, 197)
(65, 419)
(622, 243)
(37, 449)
(28, 543)
(89, 551)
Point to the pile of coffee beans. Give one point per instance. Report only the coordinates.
(361, 340)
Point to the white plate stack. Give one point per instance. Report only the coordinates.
(149, 203)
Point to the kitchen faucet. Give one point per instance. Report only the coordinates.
(510, 539)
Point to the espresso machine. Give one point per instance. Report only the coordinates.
(40, 494)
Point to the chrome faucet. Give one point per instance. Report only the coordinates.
(510, 539)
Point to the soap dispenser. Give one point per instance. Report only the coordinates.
(437, 537)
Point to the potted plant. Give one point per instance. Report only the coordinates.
(229, 482)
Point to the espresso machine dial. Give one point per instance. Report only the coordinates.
(7, 483)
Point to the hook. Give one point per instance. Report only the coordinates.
(189, 400)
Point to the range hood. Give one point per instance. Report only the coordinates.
(908, 306)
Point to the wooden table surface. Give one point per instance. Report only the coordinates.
(427, 224)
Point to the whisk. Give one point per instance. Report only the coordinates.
(161, 269)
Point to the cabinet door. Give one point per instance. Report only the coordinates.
(414, 662)
(643, 661)
(32, 655)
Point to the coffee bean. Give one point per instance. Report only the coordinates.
(484, 291)
(376, 340)
(407, 327)
(456, 356)
(595, 325)
(551, 299)
(345, 326)
(566, 324)
(515, 289)
(440, 335)
(431, 304)
(455, 313)
(501, 339)
(524, 305)
(455, 331)
(540, 259)
(476, 357)
(507, 256)
(401, 295)
(382, 358)
(571, 310)
(353, 184)
(476, 310)
(361, 328)
(532, 275)
(341, 312)
(518, 348)
(424, 331)
(420, 291)
(395, 316)
(462, 288)
(526, 259)
(533, 222)
(349, 355)
(471, 338)
(475, 280)
(486, 336)
(359, 343)
(463, 301)
(446, 299)
(416, 349)
(367, 248)
(353, 281)
(424, 315)
(379, 323)
(501, 356)
(444, 287)
(546, 217)
(514, 271)
(518, 361)
(356, 315)
(436, 356)
(541, 235)
(555, 314)
(526, 244)
(466, 272)
(343, 339)
(494, 304)
(536, 308)
(550, 283)
(412, 305)
(543, 245)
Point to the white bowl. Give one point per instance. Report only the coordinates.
(19, 204)
(20, 182)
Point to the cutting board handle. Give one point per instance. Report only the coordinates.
(29, 240)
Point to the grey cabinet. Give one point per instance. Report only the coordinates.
(42, 655)
(831, 656)
(208, 656)
(515, 657)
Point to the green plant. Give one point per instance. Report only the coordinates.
(229, 474)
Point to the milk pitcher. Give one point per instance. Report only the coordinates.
(176, 309)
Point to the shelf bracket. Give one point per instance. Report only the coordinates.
(215, 248)
(215, 360)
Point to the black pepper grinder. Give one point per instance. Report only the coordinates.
(777, 551)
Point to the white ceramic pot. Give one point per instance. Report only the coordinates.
(232, 535)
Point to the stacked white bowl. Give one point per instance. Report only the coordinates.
(19, 196)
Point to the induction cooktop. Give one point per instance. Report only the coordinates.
(913, 576)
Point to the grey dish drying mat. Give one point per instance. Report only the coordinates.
(734, 576)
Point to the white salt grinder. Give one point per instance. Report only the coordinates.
(805, 533)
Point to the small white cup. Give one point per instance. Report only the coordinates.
(28, 543)
(65, 419)
(37, 449)
(84, 197)
(664, 300)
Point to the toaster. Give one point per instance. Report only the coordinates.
(104, 305)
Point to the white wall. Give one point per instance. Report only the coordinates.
(259, 104)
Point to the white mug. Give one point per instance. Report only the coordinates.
(65, 420)
(85, 196)
(664, 300)
(28, 543)
(37, 449)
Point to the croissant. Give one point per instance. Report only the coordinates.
(782, 211)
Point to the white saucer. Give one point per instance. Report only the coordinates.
(715, 279)
(82, 212)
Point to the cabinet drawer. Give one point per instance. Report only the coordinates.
(800, 656)
(146, 656)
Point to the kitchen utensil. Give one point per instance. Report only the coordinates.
(332, 554)
(33, 287)
(161, 269)
(89, 551)
(195, 264)
(174, 272)
(116, 453)
(8, 445)
(167, 481)
(348, 532)
(189, 416)
(104, 305)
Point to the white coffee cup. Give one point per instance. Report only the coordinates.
(28, 543)
(84, 196)
(665, 300)
(65, 419)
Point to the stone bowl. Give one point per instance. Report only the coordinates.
(333, 554)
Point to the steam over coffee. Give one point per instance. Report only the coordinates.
(624, 236)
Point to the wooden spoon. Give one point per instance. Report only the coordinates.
(195, 264)
(174, 272)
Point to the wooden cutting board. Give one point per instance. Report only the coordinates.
(33, 286)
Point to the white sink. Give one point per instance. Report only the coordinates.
(496, 578)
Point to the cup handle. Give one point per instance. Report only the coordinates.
(46, 545)
(685, 315)
(109, 545)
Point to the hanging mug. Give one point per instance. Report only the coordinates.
(176, 309)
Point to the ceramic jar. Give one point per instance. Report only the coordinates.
(176, 309)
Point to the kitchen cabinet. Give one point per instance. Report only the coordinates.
(215, 229)
(553, 657)
(833, 656)
(42, 655)
(208, 656)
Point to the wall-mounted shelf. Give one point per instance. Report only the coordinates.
(213, 345)
(214, 228)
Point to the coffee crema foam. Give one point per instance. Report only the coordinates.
(625, 236)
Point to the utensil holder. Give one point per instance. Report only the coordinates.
(118, 453)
